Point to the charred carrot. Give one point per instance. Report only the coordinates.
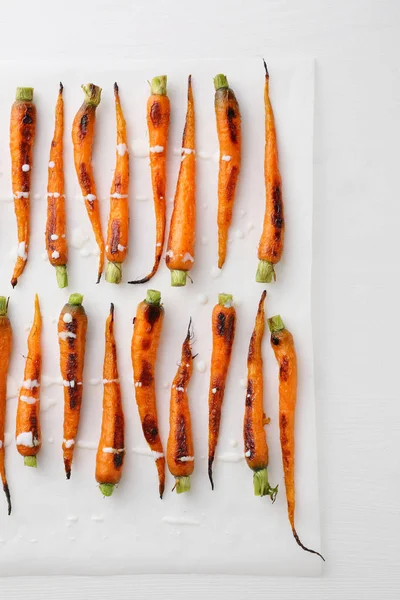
(158, 113)
(28, 434)
(5, 351)
(82, 139)
(271, 243)
(22, 137)
(145, 341)
(72, 326)
(111, 450)
(223, 333)
(230, 148)
(180, 449)
(182, 233)
(118, 221)
(255, 439)
(56, 241)
(283, 346)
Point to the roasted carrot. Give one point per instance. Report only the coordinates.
(28, 434)
(158, 113)
(5, 352)
(223, 333)
(118, 221)
(22, 137)
(182, 233)
(82, 139)
(230, 148)
(72, 326)
(111, 450)
(145, 340)
(283, 346)
(271, 243)
(56, 241)
(180, 449)
(255, 439)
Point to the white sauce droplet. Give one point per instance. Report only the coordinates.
(54, 237)
(233, 443)
(187, 257)
(226, 157)
(22, 251)
(52, 164)
(148, 452)
(29, 384)
(186, 459)
(230, 457)
(202, 298)
(214, 390)
(156, 149)
(26, 439)
(113, 450)
(64, 335)
(90, 197)
(69, 443)
(200, 366)
(28, 399)
(118, 196)
(55, 254)
(78, 238)
(67, 318)
(121, 248)
(121, 149)
(25, 168)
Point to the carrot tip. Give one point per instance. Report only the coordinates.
(114, 272)
(220, 82)
(106, 489)
(182, 484)
(25, 94)
(30, 461)
(276, 324)
(62, 276)
(3, 306)
(296, 537)
(8, 497)
(210, 473)
(178, 278)
(14, 282)
(161, 490)
(262, 486)
(68, 474)
(265, 272)
(116, 88)
(61, 89)
(266, 69)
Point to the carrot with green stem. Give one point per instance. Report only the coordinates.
(182, 233)
(145, 340)
(72, 326)
(283, 346)
(5, 352)
(223, 334)
(230, 148)
(271, 243)
(82, 139)
(22, 137)
(28, 433)
(180, 449)
(255, 439)
(56, 241)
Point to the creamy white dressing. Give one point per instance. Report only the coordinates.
(138, 384)
(214, 390)
(52, 164)
(156, 149)
(28, 399)
(113, 450)
(118, 196)
(110, 381)
(122, 149)
(54, 237)
(90, 197)
(54, 195)
(26, 439)
(201, 366)
(121, 248)
(186, 459)
(170, 253)
(226, 157)
(22, 251)
(64, 335)
(70, 384)
(55, 254)
(180, 389)
(19, 195)
(247, 453)
(67, 318)
(148, 452)
(187, 257)
(69, 443)
(25, 168)
(29, 384)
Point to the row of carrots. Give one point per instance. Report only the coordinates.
(72, 326)
(180, 251)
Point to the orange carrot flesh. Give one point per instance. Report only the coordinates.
(283, 346)
(72, 326)
(255, 439)
(118, 222)
(22, 137)
(230, 148)
(158, 114)
(5, 352)
(223, 334)
(28, 434)
(56, 240)
(271, 243)
(111, 449)
(145, 341)
(82, 139)
(180, 449)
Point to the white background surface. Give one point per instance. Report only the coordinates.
(356, 249)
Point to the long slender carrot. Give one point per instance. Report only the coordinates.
(271, 243)
(255, 439)
(158, 113)
(56, 241)
(182, 233)
(72, 326)
(118, 221)
(22, 137)
(145, 341)
(82, 139)
(230, 148)
(5, 352)
(283, 346)
(223, 333)
(180, 449)
(111, 450)
(28, 434)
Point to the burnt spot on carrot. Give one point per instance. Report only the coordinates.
(150, 429)
(83, 124)
(231, 184)
(252, 346)
(115, 236)
(277, 214)
(152, 314)
(284, 369)
(231, 116)
(249, 393)
(146, 374)
(85, 179)
(146, 343)
(181, 437)
(156, 114)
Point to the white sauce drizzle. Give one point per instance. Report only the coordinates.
(156, 149)
(180, 389)
(110, 381)
(148, 452)
(170, 253)
(25, 168)
(113, 450)
(55, 254)
(122, 149)
(26, 439)
(186, 459)
(188, 257)
(201, 366)
(121, 248)
(28, 399)
(247, 453)
(66, 334)
(19, 195)
(54, 237)
(69, 443)
(226, 157)
(214, 390)
(118, 196)
(52, 164)
(22, 251)
(29, 384)
(67, 318)
(90, 197)
(54, 195)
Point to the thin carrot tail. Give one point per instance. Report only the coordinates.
(210, 470)
(67, 465)
(222, 241)
(160, 464)
(8, 496)
(154, 269)
(296, 537)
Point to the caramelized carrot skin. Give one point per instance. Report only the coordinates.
(5, 352)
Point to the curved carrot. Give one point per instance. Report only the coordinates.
(56, 242)
(118, 221)
(180, 449)
(111, 451)
(22, 137)
(28, 434)
(283, 346)
(230, 148)
(82, 139)
(5, 352)
(223, 333)
(158, 113)
(271, 243)
(182, 233)
(255, 439)
(145, 340)
(72, 326)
